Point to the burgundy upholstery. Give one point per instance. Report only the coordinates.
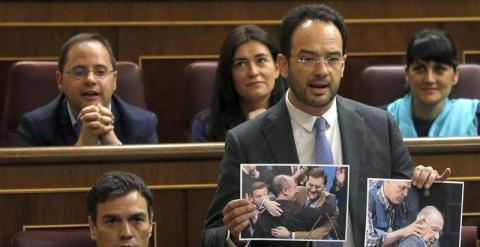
(53, 238)
(381, 84)
(199, 80)
(31, 84)
(469, 236)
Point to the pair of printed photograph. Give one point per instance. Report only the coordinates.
(311, 203)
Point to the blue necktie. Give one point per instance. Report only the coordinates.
(323, 155)
(323, 151)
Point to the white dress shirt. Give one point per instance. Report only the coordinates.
(304, 135)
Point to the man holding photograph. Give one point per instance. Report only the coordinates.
(313, 46)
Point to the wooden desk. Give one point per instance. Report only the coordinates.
(48, 186)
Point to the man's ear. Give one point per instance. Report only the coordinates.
(343, 65)
(93, 228)
(284, 190)
(282, 64)
(115, 77)
(59, 77)
(151, 229)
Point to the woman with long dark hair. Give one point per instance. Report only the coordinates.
(247, 82)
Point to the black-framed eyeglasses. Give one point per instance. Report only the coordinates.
(332, 62)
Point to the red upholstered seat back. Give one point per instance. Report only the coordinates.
(469, 236)
(381, 84)
(199, 78)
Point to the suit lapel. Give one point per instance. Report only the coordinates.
(354, 142)
(118, 128)
(278, 133)
(352, 134)
(68, 133)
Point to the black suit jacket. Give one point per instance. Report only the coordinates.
(371, 145)
(294, 218)
(50, 124)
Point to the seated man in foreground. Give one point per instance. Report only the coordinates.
(87, 112)
(120, 210)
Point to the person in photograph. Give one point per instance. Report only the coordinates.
(120, 210)
(314, 41)
(339, 189)
(252, 173)
(257, 192)
(294, 216)
(387, 214)
(247, 82)
(433, 221)
(313, 195)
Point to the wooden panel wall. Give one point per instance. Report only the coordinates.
(47, 186)
(164, 36)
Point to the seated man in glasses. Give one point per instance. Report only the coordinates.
(87, 112)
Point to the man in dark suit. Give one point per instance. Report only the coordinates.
(87, 112)
(295, 217)
(313, 44)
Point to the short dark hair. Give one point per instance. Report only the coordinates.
(79, 38)
(299, 14)
(116, 184)
(432, 45)
(318, 173)
(226, 111)
(256, 186)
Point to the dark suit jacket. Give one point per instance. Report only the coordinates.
(371, 145)
(412, 241)
(294, 218)
(50, 124)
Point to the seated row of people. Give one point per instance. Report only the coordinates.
(425, 110)
(247, 82)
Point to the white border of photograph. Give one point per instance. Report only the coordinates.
(423, 192)
(330, 179)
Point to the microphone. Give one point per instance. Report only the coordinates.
(313, 227)
(333, 226)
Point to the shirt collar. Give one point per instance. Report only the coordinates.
(307, 120)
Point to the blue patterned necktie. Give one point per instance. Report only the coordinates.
(323, 151)
(323, 155)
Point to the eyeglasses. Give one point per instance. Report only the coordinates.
(332, 62)
(82, 72)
